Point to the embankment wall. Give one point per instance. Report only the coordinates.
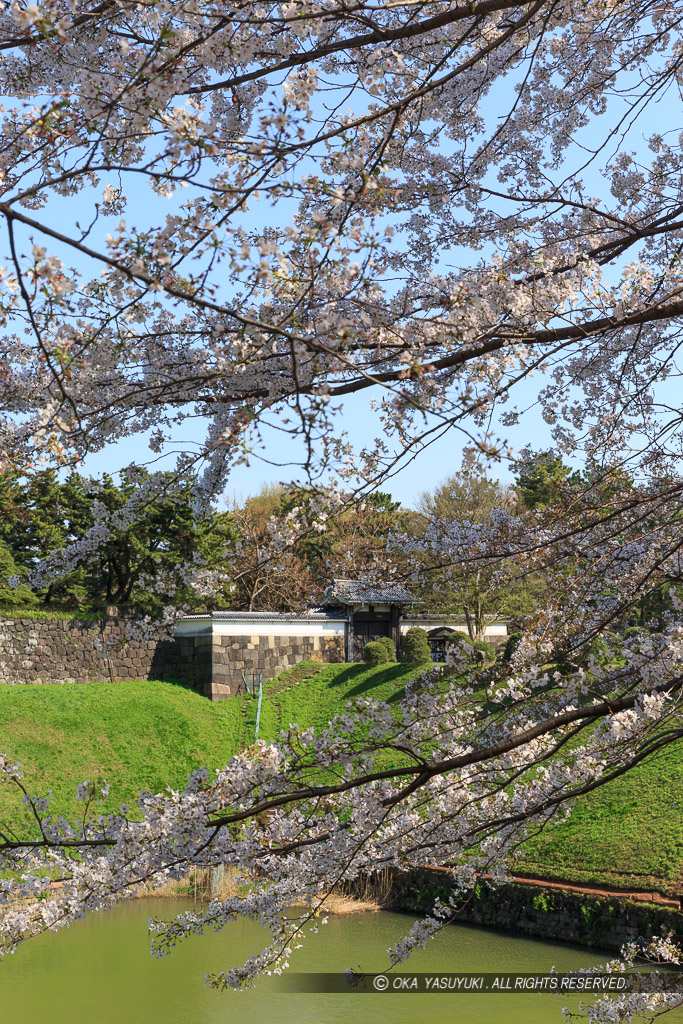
(604, 922)
(217, 663)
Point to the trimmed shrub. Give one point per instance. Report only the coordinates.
(511, 645)
(389, 646)
(456, 642)
(415, 647)
(604, 647)
(375, 653)
(484, 653)
(457, 639)
(635, 631)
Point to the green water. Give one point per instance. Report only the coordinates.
(99, 971)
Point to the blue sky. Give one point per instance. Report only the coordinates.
(433, 464)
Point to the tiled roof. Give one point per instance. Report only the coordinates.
(357, 592)
(313, 613)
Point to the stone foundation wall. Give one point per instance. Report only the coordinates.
(79, 651)
(599, 921)
(233, 657)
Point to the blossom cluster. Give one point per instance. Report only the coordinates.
(435, 205)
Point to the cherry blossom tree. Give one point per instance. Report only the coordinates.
(250, 213)
(480, 590)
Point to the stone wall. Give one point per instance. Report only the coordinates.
(599, 921)
(80, 651)
(233, 657)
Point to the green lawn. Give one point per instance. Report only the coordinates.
(49, 613)
(149, 735)
(628, 833)
(138, 735)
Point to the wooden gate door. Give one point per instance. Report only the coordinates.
(367, 627)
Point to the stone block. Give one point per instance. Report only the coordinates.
(220, 691)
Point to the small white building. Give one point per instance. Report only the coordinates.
(223, 653)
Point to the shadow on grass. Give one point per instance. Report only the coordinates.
(443, 684)
(397, 697)
(183, 684)
(349, 673)
(365, 685)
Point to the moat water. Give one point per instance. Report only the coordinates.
(100, 971)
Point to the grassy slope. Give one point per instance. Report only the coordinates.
(139, 735)
(50, 613)
(628, 833)
(149, 735)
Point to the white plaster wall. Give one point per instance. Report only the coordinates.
(193, 627)
(493, 629)
(261, 627)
